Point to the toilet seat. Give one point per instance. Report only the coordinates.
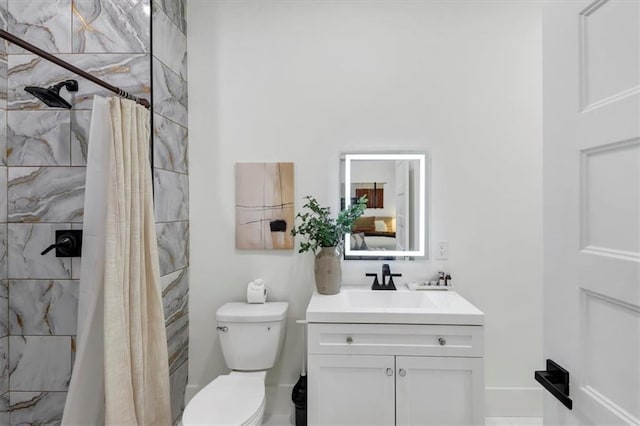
(228, 400)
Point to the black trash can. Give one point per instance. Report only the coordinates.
(299, 398)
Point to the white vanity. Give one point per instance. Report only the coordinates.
(394, 358)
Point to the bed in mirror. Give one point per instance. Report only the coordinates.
(394, 225)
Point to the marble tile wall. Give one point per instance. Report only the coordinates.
(171, 180)
(4, 284)
(42, 174)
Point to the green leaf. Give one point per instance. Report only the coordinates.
(320, 230)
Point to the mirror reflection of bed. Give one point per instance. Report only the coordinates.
(374, 233)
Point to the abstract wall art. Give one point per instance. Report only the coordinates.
(264, 206)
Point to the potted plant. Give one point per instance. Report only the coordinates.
(324, 237)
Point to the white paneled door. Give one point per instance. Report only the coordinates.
(591, 61)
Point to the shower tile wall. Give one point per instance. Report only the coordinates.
(42, 174)
(4, 284)
(43, 182)
(171, 181)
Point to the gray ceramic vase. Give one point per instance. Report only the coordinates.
(328, 270)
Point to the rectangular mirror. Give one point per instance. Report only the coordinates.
(394, 225)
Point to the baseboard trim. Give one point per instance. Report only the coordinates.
(513, 402)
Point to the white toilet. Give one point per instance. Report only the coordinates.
(251, 336)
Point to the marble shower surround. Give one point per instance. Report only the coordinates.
(169, 94)
(45, 153)
(80, 26)
(4, 285)
(175, 297)
(42, 186)
(28, 368)
(38, 138)
(112, 35)
(172, 198)
(171, 181)
(43, 307)
(45, 21)
(46, 194)
(169, 43)
(176, 11)
(170, 145)
(36, 407)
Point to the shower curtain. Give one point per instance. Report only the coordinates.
(121, 372)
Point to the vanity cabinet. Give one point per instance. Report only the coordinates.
(439, 391)
(351, 390)
(395, 374)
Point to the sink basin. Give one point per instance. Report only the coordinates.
(388, 299)
(359, 304)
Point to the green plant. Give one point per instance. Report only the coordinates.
(320, 230)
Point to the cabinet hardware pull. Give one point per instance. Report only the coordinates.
(349, 340)
(224, 329)
(389, 371)
(402, 372)
(442, 341)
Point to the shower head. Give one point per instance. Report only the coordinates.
(51, 95)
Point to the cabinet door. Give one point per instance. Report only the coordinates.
(439, 391)
(351, 390)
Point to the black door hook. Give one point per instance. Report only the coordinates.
(555, 379)
(68, 243)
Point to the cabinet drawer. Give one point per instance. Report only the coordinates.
(396, 339)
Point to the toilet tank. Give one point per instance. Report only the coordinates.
(251, 335)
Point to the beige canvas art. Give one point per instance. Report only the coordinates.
(264, 205)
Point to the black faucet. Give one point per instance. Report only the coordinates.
(386, 272)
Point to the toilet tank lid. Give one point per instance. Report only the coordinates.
(252, 312)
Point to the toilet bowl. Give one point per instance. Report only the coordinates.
(251, 336)
(233, 399)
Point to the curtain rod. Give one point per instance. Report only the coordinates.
(49, 57)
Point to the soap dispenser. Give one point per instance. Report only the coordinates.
(448, 281)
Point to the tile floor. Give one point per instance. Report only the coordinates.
(490, 421)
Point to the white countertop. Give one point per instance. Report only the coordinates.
(360, 304)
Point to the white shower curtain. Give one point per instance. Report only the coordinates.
(121, 372)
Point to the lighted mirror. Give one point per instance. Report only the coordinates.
(394, 224)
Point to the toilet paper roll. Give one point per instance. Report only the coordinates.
(256, 292)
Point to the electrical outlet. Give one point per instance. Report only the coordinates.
(442, 250)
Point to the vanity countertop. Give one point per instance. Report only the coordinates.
(360, 304)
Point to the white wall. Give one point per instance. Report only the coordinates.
(304, 81)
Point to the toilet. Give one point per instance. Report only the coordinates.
(251, 337)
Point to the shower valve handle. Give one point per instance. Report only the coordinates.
(63, 243)
(68, 243)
